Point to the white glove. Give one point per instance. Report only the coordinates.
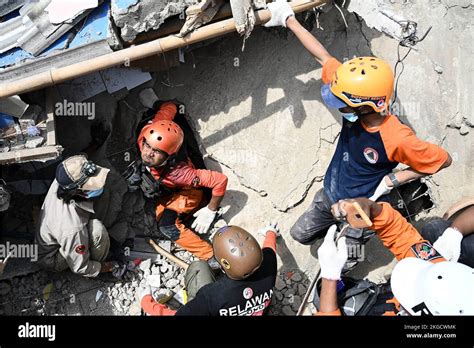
(143, 291)
(449, 244)
(381, 190)
(272, 226)
(332, 258)
(204, 218)
(280, 10)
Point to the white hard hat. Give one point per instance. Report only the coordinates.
(443, 288)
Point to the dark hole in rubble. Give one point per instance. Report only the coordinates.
(411, 199)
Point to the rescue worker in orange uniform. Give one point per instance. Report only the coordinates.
(177, 184)
(423, 282)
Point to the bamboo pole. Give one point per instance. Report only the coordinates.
(168, 255)
(125, 56)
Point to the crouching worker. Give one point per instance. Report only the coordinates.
(176, 185)
(422, 283)
(67, 236)
(245, 290)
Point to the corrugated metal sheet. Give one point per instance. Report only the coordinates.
(32, 31)
(7, 6)
(93, 33)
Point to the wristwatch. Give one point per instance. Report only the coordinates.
(394, 179)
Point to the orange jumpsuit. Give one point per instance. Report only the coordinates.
(402, 239)
(186, 181)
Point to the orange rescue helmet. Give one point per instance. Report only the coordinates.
(166, 136)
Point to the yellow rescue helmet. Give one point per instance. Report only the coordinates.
(364, 81)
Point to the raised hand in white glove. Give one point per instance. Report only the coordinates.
(332, 258)
(382, 189)
(204, 218)
(272, 226)
(449, 244)
(280, 10)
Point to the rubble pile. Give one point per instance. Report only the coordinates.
(44, 293)
(29, 132)
(290, 288)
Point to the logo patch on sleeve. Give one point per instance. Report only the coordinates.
(425, 251)
(196, 181)
(80, 249)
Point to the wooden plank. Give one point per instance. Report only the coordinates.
(52, 95)
(25, 155)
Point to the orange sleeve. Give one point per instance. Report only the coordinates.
(270, 241)
(186, 175)
(329, 68)
(150, 306)
(337, 312)
(212, 179)
(403, 146)
(395, 232)
(167, 112)
(401, 238)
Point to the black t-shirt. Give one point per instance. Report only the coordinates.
(228, 297)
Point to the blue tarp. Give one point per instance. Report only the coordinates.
(5, 120)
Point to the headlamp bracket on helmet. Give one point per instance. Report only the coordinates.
(88, 169)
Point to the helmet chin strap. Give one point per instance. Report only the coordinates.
(360, 114)
(162, 164)
(165, 162)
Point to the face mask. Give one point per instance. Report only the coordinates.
(95, 193)
(351, 116)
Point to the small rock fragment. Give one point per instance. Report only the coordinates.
(287, 310)
(279, 284)
(438, 69)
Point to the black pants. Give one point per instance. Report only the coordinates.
(315, 222)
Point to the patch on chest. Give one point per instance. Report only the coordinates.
(371, 155)
(248, 293)
(80, 249)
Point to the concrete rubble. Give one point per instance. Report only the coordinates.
(134, 17)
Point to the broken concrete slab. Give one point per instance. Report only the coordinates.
(154, 280)
(198, 15)
(433, 120)
(33, 142)
(287, 106)
(148, 97)
(13, 106)
(134, 17)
